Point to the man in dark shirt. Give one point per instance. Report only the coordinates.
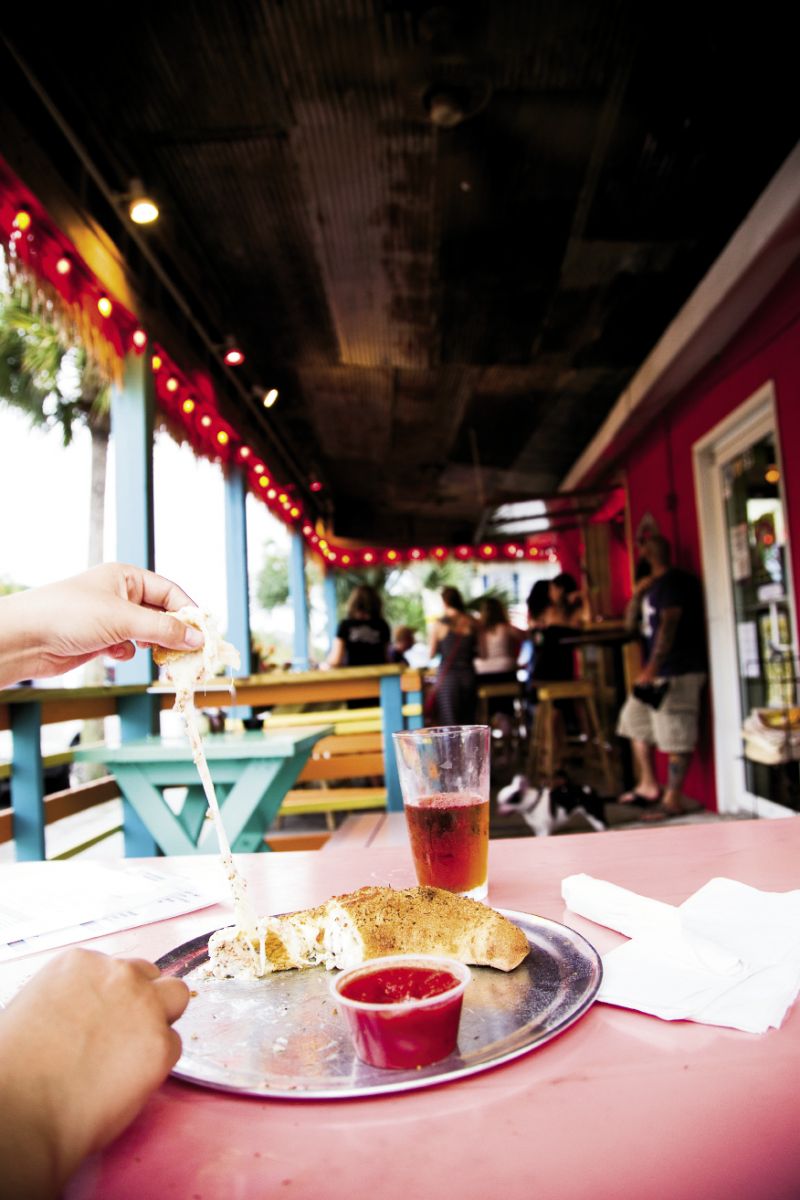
(662, 711)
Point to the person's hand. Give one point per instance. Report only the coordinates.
(82, 1047)
(646, 675)
(49, 630)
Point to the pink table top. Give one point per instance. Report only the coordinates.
(620, 1106)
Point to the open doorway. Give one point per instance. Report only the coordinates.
(751, 617)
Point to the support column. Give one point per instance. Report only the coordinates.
(236, 564)
(132, 412)
(329, 593)
(132, 409)
(27, 790)
(391, 722)
(299, 600)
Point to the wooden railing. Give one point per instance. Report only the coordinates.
(397, 703)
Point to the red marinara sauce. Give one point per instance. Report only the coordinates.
(392, 985)
(402, 1016)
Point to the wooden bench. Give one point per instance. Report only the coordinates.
(369, 829)
(357, 749)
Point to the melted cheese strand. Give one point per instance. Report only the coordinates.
(245, 916)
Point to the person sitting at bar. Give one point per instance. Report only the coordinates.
(499, 645)
(363, 637)
(662, 710)
(88, 1039)
(402, 643)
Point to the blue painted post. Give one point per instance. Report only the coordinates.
(391, 722)
(329, 592)
(299, 601)
(236, 564)
(132, 410)
(237, 577)
(27, 780)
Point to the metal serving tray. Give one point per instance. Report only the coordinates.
(283, 1036)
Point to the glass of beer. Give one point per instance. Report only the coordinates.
(444, 778)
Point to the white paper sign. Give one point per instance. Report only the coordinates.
(749, 662)
(740, 553)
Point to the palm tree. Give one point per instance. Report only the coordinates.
(46, 373)
(50, 377)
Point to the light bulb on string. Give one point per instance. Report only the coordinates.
(188, 405)
(22, 220)
(63, 264)
(139, 339)
(104, 306)
(142, 209)
(232, 356)
(270, 397)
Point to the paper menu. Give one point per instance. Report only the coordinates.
(71, 903)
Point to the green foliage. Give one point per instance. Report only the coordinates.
(45, 373)
(7, 587)
(272, 584)
(401, 588)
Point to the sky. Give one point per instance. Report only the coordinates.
(44, 513)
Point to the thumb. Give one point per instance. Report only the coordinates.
(158, 628)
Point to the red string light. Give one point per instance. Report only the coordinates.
(63, 267)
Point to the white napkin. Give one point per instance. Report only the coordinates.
(729, 955)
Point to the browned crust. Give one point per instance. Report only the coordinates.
(426, 920)
(162, 656)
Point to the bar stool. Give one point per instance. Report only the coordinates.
(495, 691)
(541, 755)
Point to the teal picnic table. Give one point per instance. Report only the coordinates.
(251, 771)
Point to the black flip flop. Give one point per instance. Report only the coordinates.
(645, 802)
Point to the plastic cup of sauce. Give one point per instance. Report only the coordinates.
(403, 1010)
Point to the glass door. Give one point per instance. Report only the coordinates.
(757, 543)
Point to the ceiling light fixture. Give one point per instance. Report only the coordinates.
(232, 356)
(142, 209)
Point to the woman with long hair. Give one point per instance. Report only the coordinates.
(363, 637)
(454, 637)
(499, 644)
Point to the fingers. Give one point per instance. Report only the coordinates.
(148, 969)
(174, 996)
(122, 651)
(157, 591)
(158, 628)
(173, 993)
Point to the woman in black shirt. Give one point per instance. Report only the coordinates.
(362, 638)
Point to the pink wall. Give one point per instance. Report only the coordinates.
(659, 466)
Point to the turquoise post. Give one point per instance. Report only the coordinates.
(132, 411)
(299, 600)
(392, 722)
(238, 632)
(27, 781)
(329, 592)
